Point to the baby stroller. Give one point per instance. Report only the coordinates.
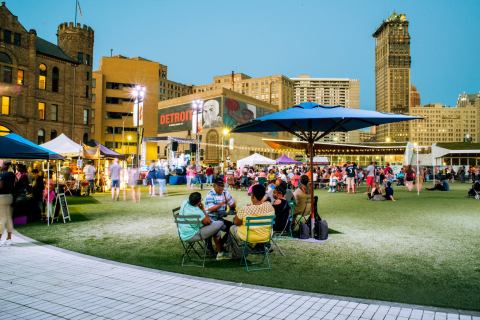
(474, 192)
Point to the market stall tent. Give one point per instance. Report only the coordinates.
(64, 145)
(254, 159)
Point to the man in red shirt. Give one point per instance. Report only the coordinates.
(209, 174)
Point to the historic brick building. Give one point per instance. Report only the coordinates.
(45, 88)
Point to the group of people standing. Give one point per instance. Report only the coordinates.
(23, 188)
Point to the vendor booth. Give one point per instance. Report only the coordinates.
(15, 147)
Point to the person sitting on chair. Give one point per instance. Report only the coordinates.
(302, 199)
(192, 232)
(238, 231)
(281, 206)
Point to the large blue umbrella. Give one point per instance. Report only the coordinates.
(310, 122)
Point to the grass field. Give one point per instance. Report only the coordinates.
(421, 250)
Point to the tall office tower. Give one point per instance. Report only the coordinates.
(392, 75)
(330, 92)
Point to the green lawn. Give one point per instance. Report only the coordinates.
(422, 250)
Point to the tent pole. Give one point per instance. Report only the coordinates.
(48, 193)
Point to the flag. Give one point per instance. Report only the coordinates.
(79, 9)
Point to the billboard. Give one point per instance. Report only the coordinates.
(185, 116)
(207, 114)
(178, 118)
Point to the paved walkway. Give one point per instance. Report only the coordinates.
(41, 282)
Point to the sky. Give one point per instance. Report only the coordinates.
(198, 40)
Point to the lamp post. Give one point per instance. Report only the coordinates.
(197, 108)
(139, 95)
(225, 132)
(129, 138)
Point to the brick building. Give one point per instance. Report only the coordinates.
(45, 88)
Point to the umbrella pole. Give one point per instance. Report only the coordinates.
(312, 215)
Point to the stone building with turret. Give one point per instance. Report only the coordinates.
(45, 88)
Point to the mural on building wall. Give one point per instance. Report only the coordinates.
(236, 112)
(211, 113)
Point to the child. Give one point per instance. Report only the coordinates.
(333, 182)
(48, 197)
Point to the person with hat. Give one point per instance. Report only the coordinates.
(7, 181)
(217, 200)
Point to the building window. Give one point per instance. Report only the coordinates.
(88, 76)
(85, 138)
(94, 83)
(86, 113)
(5, 105)
(53, 112)
(17, 39)
(80, 57)
(87, 91)
(7, 74)
(41, 136)
(53, 134)
(55, 79)
(41, 111)
(7, 36)
(94, 97)
(87, 60)
(42, 77)
(5, 58)
(20, 77)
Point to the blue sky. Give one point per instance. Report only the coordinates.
(200, 39)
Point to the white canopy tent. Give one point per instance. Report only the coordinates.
(64, 145)
(254, 159)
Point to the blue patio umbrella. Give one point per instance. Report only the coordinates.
(310, 122)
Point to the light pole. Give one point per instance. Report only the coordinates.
(197, 107)
(225, 132)
(139, 95)
(129, 138)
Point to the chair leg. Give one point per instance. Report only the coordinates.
(278, 247)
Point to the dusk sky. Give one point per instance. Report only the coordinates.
(200, 39)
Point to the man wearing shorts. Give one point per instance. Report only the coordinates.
(351, 172)
(370, 177)
(114, 173)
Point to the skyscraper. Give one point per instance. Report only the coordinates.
(392, 75)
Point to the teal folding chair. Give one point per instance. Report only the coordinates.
(257, 248)
(194, 252)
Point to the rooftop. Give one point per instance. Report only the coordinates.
(52, 50)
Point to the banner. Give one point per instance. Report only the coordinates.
(91, 152)
(137, 114)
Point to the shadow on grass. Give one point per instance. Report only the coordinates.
(333, 231)
(74, 200)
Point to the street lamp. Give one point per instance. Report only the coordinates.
(225, 132)
(197, 108)
(139, 94)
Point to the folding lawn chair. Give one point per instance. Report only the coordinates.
(287, 228)
(195, 252)
(257, 248)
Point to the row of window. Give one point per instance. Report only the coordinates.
(118, 85)
(118, 130)
(116, 100)
(84, 59)
(42, 114)
(10, 37)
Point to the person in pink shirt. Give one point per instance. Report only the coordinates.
(48, 197)
(294, 180)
